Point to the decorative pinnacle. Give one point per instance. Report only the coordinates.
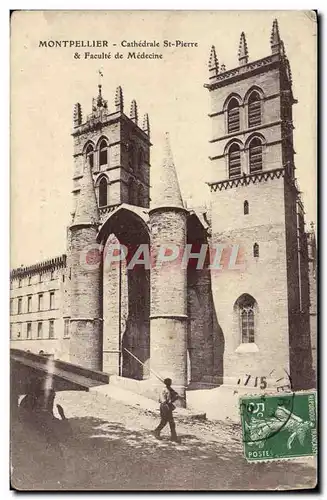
(275, 40)
(213, 61)
(77, 115)
(146, 124)
(133, 112)
(119, 99)
(243, 54)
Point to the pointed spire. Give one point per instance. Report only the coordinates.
(119, 99)
(77, 115)
(146, 124)
(213, 62)
(243, 54)
(275, 40)
(133, 112)
(87, 211)
(168, 192)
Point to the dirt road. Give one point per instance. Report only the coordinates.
(107, 445)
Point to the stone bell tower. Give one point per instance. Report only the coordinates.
(256, 208)
(117, 150)
(111, 168)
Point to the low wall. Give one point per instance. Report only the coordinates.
(58, 347)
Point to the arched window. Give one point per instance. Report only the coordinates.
(233, 116)
(256, 250)
(255, 155)
(90, 155)
(246, 308)
(103, 153)
(234, 160)
(254, 110)
(246, 207)
(103, 192)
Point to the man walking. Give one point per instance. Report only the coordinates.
(166, 400)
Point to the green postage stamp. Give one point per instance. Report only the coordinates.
(279, 426)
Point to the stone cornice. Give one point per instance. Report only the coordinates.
(246, 131)
(98, 122)
(252, 68)
(85, 319)
(108, 209)
(167, 208)
(245, 180)
(182, 317)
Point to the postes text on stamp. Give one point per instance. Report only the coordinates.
(279, 426)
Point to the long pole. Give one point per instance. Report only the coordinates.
(137, 359)
(154, 373)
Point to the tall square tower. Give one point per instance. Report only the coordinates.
(256, 209)
(118, 151)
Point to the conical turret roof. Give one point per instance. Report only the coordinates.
(87, 211)
(168, 192)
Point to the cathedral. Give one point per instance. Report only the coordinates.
(202, 325)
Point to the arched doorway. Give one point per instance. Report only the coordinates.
(126, 296)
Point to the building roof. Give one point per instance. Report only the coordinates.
(168, 192)
(87, 212)
(39, 267)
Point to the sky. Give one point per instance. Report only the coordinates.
(46, 82)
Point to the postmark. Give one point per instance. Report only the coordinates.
(279, 426)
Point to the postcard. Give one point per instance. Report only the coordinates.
(163, 309)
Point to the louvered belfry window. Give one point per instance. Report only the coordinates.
(254, 110)
(233, 116)
(103, 155)
(103, 192)
(234, 161)
(255, 155)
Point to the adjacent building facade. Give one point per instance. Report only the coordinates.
(198, 323)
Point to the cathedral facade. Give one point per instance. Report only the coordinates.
(245, 308)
